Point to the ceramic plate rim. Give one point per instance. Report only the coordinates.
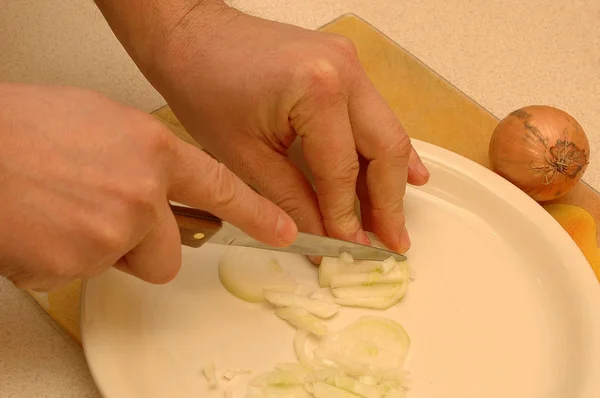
(579, 269)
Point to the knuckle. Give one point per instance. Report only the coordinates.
(344, 170)
(344, 47)
(395, 205)
(158, 138)
(142, 195)
(398, 145)
(110, 237)
(223, 190)
(289, 203)
(342, 218)
(324, 77)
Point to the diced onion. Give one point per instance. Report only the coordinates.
(346, 258)
(388, 264)
(365, 359)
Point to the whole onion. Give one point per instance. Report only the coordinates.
(540, 149)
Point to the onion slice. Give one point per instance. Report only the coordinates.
(300, 340)
(375, 291)
(374, 303)
(247, 272)
(331, 266)
(279, 392)
(395, 276)
(381, 344)
(321, 308)
(302, 319)
(324, 390)
(280, 378)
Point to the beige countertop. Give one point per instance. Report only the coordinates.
(504, 54)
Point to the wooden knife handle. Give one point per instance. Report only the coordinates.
(195, 226)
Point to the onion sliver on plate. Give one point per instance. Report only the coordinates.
(503, 304)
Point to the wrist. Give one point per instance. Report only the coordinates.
(152, 32)
(190, 46)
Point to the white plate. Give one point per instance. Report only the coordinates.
(504, 305)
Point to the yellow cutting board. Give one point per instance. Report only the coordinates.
(431, 110)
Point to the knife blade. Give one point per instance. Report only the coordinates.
(198, 227)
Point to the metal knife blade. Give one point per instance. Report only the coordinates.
(197, 227)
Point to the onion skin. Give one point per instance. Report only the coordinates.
(540, 149)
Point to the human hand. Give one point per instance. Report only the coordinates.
(84, 184)
(245, 88)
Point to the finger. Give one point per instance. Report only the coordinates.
(384, 143)
(362, 191)
(417, 172)
(198, 180)
(157, 258)
(277, 178)
(330, 153)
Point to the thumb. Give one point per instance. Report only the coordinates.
(197, 180)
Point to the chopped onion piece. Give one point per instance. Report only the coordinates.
(376, 291)
(331, 266)
(375, 303)
(346, 257)
(395, 276)
(394, 392)
(324, 390)
(280, 378)
(388, 264)
(230, 374)
(302, 319)
(246, 272)
(320, 308)
(357, 387)
(292, 367)
(280, 392)
(367, 379)
(300, 340)
(210, 374)
(326, 374)
(378, 343)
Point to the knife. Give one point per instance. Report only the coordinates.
(198, 227)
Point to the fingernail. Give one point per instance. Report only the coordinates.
(422, 170)
(286, 229)
(361, 237)
(405, 239)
